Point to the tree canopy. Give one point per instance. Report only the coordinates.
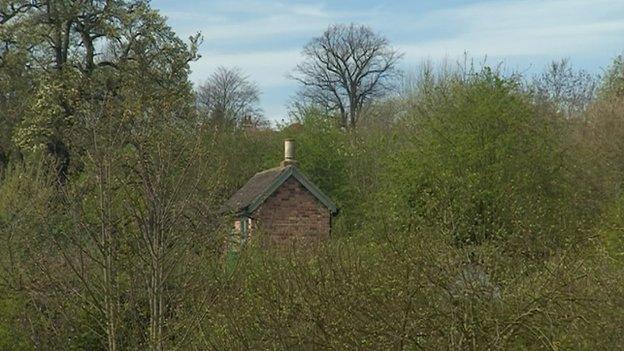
(227, 97)
(345, 69)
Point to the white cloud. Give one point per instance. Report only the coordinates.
(265, 28)
(268, 68)
(496, 28)
(263, 7)
(262, 19)
(264, 38)
(192, 17)
(523, 28)
(561, 41)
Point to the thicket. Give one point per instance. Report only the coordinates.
(479, 209)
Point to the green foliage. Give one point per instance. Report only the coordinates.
(611, 230)
(411, 291)
(12, 338)
(47, 119)
(323, 153)
(481, 164)
(64, 62)
(613, 80)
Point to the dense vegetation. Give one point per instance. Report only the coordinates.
(480, 209)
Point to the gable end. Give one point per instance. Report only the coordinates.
(292, 171)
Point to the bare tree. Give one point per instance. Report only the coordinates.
(345, 68)
(569, 90)
(229, 97)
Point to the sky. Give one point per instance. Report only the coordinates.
(264, 38)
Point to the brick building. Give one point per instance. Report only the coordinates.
(283, 203)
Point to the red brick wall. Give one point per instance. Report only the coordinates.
(292, 212)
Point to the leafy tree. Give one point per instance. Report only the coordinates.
(482, 164)
(613, 80)
(15, 77)
(82, 52)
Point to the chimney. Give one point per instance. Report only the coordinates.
(289, 153)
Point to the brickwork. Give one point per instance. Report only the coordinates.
(292, 212)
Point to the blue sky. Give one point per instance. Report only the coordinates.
(264, 37)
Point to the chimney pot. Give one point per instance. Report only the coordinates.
(289, 153)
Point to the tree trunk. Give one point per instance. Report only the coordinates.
(108, 245)
(352, 116)
(155, 236)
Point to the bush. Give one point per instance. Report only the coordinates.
(483, 164)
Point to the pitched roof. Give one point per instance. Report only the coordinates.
(248, 198)
(252, 189)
